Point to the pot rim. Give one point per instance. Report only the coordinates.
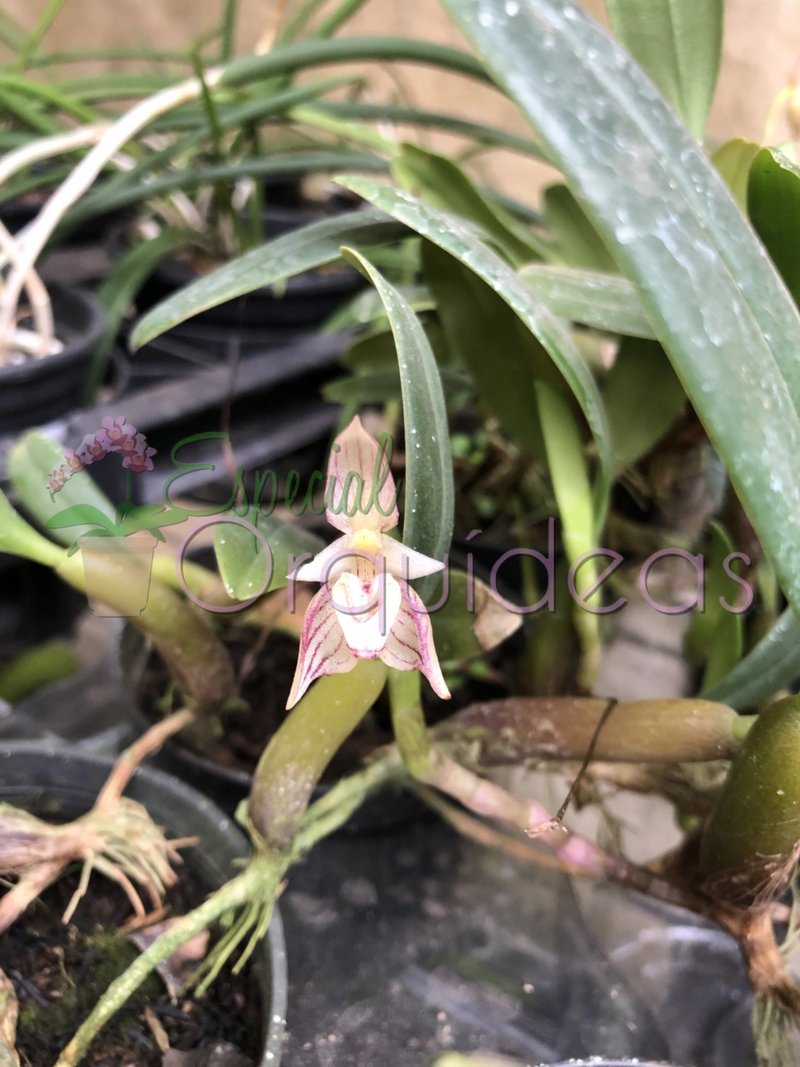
(76, 349)
(165, 785)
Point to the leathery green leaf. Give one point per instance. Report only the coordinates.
(717, 304)
(429, 497)
(459, 239)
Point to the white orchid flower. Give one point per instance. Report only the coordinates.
(362, 610)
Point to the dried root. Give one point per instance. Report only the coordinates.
(117, 838)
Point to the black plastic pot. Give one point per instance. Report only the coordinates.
(305, 301)
(16, 214)
(41, 390)
(59, 783)
(24, 587)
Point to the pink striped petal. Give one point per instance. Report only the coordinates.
(352, 468)
(323, 649)
(366, 614)
(410, 644)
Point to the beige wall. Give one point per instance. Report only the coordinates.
(762, 43)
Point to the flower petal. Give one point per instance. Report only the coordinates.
(410, 646)
(404, 562)
(323, 649)
(352, 468)
(315, 569)
(366, 615)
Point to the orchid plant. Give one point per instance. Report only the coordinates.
(666, 259)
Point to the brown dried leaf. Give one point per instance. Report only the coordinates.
(177, 969)
(157, 1030)
(493, 623)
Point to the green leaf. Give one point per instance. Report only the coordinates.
(120, 287)
(376, 350)
(241, 558)
(643, 398)
(11, 33)
(429, 498)
(300, 55)
(186, 179)
(718, 306)
(458, 239)
(772, 665)
(567, 465)
(230, 117)
(578, 243)
(36, 667)
(14, 104)
(727, 645)
(31, 43)
(291, 254)
(366, 309)
(604, 301)
(376, 387)
(18, 537)
(438, 181)
(716, 635)
(49, 95)
(733, 160)
(337, 18)
(80, 515)
(679, 44)
(487, 336)
(151, 517)
(435, 120)
(29, 462)
(773, 202)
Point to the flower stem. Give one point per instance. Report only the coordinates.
(408, 721)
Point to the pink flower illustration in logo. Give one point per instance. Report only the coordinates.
(117, 431)
(56, 479)
(73, 461)
(139, 461)
(96, 446)
(115, 435)
(131, 445)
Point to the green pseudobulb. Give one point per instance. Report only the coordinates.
(749, 845)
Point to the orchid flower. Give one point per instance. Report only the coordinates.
(362, 611)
